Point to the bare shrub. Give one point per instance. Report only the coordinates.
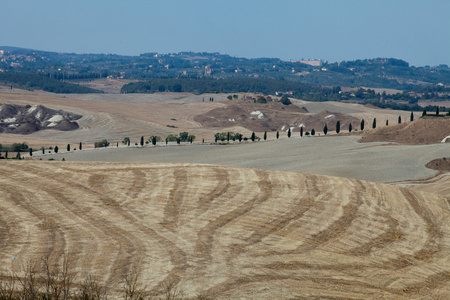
(8, 287)
(132, 286)
(56, 280)
(28, 282)
(170, 291)
(91, 289)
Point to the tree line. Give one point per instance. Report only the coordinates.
(45, 83)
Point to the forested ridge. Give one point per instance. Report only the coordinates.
(202, 72)
(377, 72)
(35, 81)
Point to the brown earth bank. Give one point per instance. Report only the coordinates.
(225, 232)
(419, 132)
(440, 164)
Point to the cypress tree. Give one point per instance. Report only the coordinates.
(387, 122)
(228, 136)
(142, 141)
(31, 151)
(424, 113)
(289, 132)
(362, 124)
(68, 147)
(338, 126)
(56, 149)
(154, 140)
(301, 131)
(216, 138)
(350, 127)
(313, 132)
(265, 135)
(437, 110)
(325, 129)
(6, 154)
(278, 135)
(399, 119)
(178, 140)
(81, 146)
(374, 123)
(167, 141)
(411, 118)
(203, 141)
(253, 136)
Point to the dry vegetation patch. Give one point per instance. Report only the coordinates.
(226, 232)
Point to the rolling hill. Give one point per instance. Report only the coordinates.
(225, 232)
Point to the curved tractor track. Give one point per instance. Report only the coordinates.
(227, 232)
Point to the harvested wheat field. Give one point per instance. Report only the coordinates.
(226, 232)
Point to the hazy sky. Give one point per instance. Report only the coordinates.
(336, 30)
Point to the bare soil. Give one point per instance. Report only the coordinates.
(27, 119)
(227, 233)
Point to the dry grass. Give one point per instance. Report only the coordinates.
(229, 233)
(115, 116)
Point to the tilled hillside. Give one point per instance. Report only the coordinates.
(227, 232)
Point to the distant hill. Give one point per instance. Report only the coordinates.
(378, 72)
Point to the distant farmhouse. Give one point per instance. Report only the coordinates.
(311, 62)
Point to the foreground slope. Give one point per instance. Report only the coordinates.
(227, 232)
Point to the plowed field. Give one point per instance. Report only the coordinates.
(229, 233)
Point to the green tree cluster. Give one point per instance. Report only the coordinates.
(100, 144)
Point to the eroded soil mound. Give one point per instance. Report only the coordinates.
(272, 116)
(28, 119)
(227, 233)
(419, 132)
